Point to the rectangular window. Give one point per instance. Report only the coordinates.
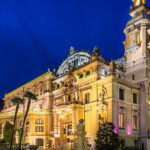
(134, 122)
(121, 94)
(39, 129)
(87, 98)
(134, 98)
(121, 120)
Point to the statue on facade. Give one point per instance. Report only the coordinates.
(82, 143)
(72, 50)
(96, 51)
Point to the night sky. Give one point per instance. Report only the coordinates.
(37, 34)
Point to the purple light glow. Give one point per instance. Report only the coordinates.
(129, 129)
(115, 130)
(129, 132)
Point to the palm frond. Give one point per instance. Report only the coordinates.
(30, 95)
(17, 100)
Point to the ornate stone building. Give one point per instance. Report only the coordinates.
(86, 86)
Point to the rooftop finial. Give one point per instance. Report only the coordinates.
(138, 3)
(48, 70)
(96, 51)
(72, 50)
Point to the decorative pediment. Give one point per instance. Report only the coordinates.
(102, 107)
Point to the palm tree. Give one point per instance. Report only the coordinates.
(16, 101)
(30, 96)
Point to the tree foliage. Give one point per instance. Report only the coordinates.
(106, 139)
(16, 101)
(8, 129)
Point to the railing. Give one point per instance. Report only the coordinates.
(69, 103)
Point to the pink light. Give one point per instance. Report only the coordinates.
(115, 130)
(129, 129)
(129, 132)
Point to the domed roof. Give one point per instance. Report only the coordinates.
(76, 58)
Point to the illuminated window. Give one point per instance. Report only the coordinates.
(87, 98)
(121, 94)
(39, 129)
(121, 120)
(134, 122)
(39, 121)
(39, 125)
(134, 98)
(39, 142)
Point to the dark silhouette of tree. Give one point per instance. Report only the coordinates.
(30, 96)
(106, 139)
(16, 101)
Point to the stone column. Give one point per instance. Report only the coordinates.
(144, 38)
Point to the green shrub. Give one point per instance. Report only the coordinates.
(2, 141)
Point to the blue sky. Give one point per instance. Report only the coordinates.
(37, 34)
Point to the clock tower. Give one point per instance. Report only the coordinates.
(137, 54)
(137, 43)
